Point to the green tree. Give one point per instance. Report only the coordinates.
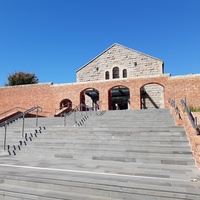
(21, 78)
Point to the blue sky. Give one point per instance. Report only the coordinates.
(54, 38)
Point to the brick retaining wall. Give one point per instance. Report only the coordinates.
(49, 96)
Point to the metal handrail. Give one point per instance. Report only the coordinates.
(193, 120)
(10, 120)
(4, 114)
(20, 115)
(176, 109)
(74, 110)
(64, 107)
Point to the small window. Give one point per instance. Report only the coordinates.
(107, 75)
(115, 72)
(124, 73)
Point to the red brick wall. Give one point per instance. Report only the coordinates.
(49, 96)
(190, 131)
(186, 86)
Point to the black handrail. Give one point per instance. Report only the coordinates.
(10, 120)
(17, 109)
(20, 115)
(75, 109)
(78, 108)
(193, 120)
(176, 109)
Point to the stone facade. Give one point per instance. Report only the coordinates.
(135, 63)
(153, 97)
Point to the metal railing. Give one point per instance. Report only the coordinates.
(82, 109)
(16, 117)
(172, 102)
(193, 120)
(12, 110)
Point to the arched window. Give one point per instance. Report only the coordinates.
(115, 72)
(107, 75)
(124, 73)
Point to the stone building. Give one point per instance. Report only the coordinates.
(119, 62)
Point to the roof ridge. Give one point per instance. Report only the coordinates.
(110, 48)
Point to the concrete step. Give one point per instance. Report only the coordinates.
(48, 183)
(68, 142)
(104, 147)
(15, 192)
(137, 154)
(120, 158)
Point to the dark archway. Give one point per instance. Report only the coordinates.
(119, 98)
(152, 96)
(65, 103)
(89, 98)
(64, 107)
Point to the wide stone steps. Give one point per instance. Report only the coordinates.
(103, 148)
(132, 155)
(62, 184)
(95, 142)
(10, 192)
(148, 170)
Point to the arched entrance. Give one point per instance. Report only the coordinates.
(119, 98)
(90, 98)
(65, 103)
(64, 107)
(152, 96)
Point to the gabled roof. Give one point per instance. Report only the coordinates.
(115, 44)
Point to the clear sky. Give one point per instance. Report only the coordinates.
(54, 38)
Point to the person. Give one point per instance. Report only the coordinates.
(117, 106)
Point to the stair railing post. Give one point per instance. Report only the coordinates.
(37, 117)
(195, 121)
(86, 110)
(5, 135)
(74, 116)
(65, 116)
(23, 126)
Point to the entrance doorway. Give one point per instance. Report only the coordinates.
(66, 103)
(152, 96)
(90, 99)
(119, 98)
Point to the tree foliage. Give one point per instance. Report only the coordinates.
(21, 78)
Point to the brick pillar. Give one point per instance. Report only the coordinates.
(135, 98)
(103, 99)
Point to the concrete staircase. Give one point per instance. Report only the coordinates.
(138, 154)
